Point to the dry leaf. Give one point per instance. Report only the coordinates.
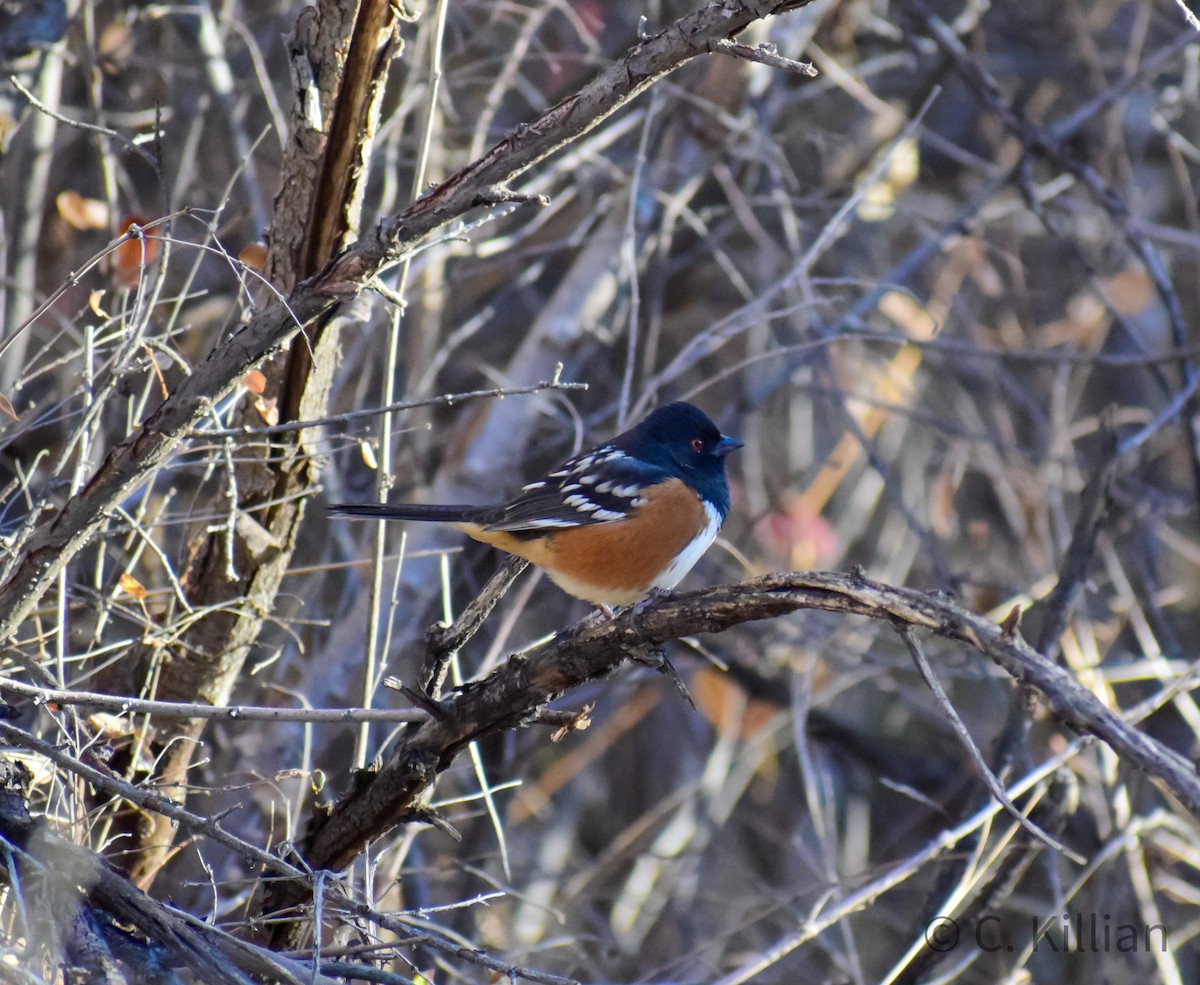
(254, 256)
(268, 410)
(941, 504)
(878, 203)
(115, 46)
(6, 407)
(80, 212)
(1131, 291)
(581, 722)
(255, 382)
(110, 727)
(368, 455)
(131, 586)
(727, 706)
(94, 304)
(796, 536)
(132, 255)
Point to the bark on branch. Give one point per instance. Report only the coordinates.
(515, 693)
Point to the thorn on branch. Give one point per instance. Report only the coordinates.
(422, 701)
(1012, 624)
(656, 658)
(431, 817)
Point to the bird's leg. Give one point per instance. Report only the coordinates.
(599, 616)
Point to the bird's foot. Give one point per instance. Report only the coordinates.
(599, 616)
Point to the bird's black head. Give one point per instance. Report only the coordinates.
(680, 438)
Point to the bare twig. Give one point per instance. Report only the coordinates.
(905, 632)
(764, 54)
(146, 799)
(179, 709)
(443, 400)
(442, 641)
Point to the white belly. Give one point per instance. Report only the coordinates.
(687, 558)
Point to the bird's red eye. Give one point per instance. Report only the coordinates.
(697, 444)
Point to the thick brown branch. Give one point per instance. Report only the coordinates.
(515, 693)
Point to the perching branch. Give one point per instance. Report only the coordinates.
(515, 693)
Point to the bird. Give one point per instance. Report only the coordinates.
(613, 525)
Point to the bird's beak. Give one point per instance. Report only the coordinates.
(726, 445)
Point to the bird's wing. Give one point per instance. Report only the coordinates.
(600, 486)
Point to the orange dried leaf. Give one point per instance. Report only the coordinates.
(255, 382)
(133, 254)
(727, 706)
(82, 213)
(797, 536)
(254, 256)
(94, 304)
(115, 46)
(941, 505)
(979, 532)
(131, 586)
(268, 410)
(1131, 291)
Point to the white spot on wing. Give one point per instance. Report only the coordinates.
(604, 487)
(608, 515)
(687, 558)
(530, 487)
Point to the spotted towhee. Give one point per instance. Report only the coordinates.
(610, 526)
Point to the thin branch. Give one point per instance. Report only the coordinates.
(445, 400)
(964, 736)
(113, 784)
(233, 713)
(443, 641)
(41, 107)
(764, 54)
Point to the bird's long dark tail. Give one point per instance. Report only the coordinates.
(408, 511)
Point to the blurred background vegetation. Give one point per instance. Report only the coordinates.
(934, 288)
